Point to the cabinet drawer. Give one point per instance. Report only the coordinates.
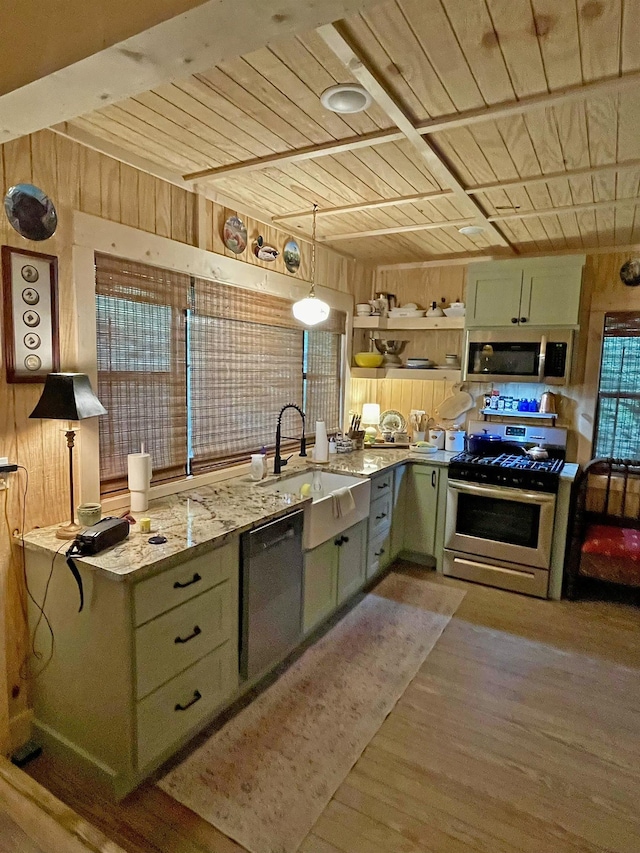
(175, 640)
(381, 485)
(170, 588)
(380, 514)
(177, 708)
(378, 554)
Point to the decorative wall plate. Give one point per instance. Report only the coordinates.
(630, 272)
(264, 252)
(234, 235)
(31, 212)
(291, 256)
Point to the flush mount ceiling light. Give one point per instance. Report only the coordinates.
(311, 310)
(346, 98)
(471, 230)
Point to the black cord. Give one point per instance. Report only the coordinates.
(23, 672)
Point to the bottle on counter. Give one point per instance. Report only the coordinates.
(265, 466)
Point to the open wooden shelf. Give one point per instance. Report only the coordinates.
(426, 323)
(511, 413)
(404, 373)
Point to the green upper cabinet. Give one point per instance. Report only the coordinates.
(536, 292)
(493, 295)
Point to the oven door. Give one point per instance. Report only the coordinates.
(500, 523)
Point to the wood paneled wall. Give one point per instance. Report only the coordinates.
(78, 178)
(602, 291)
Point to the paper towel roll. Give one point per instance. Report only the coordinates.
(321, 447)
(139, 479)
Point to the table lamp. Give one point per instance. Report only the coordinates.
(370, 419)
(68, 397)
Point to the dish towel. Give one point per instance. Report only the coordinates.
(342, 502)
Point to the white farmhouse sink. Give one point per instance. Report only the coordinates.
(319, 522)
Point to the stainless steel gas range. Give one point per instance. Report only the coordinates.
(501, 510)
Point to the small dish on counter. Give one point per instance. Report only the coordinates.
(423, 448)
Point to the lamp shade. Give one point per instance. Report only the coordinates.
(371, 413)
(68, 397)
(311, 310)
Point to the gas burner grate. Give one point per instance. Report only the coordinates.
(513, 462)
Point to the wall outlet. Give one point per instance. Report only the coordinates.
(3, 484)
(4, 460)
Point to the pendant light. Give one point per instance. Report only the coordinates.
(311, 310)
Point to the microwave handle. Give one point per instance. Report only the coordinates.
(542, 358)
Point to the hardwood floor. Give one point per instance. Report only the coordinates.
(520, 734)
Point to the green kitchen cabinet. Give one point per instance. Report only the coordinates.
(536, 292)
(320, 583)
(351, 560)
(421, 507)
(332, 573)
(493, 295)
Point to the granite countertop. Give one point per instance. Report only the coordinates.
(204, 517)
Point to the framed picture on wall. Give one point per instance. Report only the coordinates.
(30, 307)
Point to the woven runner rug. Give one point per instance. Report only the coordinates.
(267, 775)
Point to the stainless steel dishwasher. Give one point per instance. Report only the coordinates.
(271, 593)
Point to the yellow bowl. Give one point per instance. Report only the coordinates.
(368, 359)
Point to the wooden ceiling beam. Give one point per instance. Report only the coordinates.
(366, 205)
(570, 208)
(626, 165)
(111, 64)
(334, 37)
(502, 217)
(398, 229)
(326, 149)
(594, 89)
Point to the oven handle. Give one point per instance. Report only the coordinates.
(518, 495)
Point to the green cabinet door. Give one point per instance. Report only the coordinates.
(421, 509)
(351, 560)
(493, 295)
(551, 295)
(320, 583)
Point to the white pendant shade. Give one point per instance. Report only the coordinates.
(310, 310)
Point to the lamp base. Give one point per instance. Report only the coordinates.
(370, 434)
(69, 530)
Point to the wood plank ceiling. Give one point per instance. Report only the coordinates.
(461, 63)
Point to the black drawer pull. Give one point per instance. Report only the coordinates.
(523, 319)
(381, 516)
(197, 630)
(196, 697)
(379, 553)
(383, 485)
(194, 579)
(433, 479)
(514, 319)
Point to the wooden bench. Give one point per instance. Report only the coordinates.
(606, 532)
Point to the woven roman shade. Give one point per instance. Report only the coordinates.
(141, 337)
(323, 368)
(246, 357)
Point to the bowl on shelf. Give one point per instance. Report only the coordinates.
(368, 359)
(453, 312)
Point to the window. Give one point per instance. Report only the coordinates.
(618, 415)
(199, 370)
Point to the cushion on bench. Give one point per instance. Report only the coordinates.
(612, 554)
(612, 542)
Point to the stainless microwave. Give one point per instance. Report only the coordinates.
(514, 355)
